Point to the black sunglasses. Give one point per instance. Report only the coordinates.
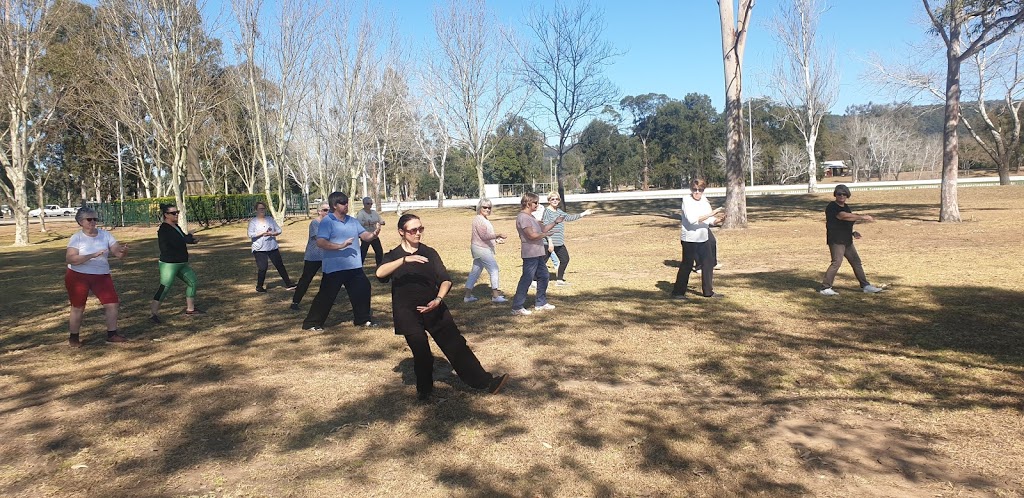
(416, 230)
(91, 219)
(172, 212)
(325, 210)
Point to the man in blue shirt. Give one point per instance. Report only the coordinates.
(343, 265)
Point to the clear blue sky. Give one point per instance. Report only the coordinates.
(674, 46)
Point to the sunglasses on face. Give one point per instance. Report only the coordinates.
(416, 230)
(485, 207)
(175, 213)
(699, 190)
(343, 203)
(325, 210)
(91, 219)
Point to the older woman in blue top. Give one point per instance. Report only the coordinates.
(557, 238)
(263, 232)
(313, 259)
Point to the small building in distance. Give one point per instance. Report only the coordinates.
(835, 168)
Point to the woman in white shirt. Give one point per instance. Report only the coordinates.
(263, 232)
(697, 220)
(88, 270)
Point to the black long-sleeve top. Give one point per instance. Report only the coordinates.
(415, 284)
(172, 241)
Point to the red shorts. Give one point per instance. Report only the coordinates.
(79, 285)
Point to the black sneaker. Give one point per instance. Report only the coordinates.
(422, 397)
(261, 289)
(294, 307)
(680, 297)
(155, 319)
(497, 383)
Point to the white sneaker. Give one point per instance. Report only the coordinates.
(871, 289)
(470, 298)
(546, 307)
(562, 283)
(521, 312)
(718, 266)
(533, 285)
(828, 292)
(498, 299)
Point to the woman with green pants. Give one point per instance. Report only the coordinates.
(174, 262)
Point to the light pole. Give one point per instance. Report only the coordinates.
(750, 144)
(120, 169)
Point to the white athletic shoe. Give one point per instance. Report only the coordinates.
(470, 298)
(562, 283)
(521, 312)
(498, 299)
(533, 285)
(871, 289)
(828, 292)
(546, 307)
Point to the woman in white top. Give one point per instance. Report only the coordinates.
(263, 232)
(481, 246)
(697, 220)
(88, 270)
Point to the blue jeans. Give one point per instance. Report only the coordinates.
(533, 269)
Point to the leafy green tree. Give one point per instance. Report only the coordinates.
(610, 159)
(518, 155)
(685, 134)
(642, 108)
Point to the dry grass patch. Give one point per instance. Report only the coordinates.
(620, 391)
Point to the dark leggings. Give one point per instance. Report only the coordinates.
(378, 252)
(447, 336)
(692, 251)
(309, 270)
(563, 261)
(261, 267)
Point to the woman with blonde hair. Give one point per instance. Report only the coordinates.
(557, 237)
(481, 246)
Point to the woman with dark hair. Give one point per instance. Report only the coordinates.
(531, 235)
(697, 220)
(839, 234)
(89, 270)
(481, 246)
(420, 282)
(174, 262)
(263, 232)
(553, 211)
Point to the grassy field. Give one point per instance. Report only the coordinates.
(620, 391)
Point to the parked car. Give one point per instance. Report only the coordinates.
(5, 211)
(53, 210)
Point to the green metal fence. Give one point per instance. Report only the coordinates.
(202, 209)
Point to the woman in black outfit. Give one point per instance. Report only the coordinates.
(420, 283)
(174, 262)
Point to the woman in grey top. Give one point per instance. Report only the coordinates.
(551, 213)
(313, 259)
(531, 235)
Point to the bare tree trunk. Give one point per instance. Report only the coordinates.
(949, 207)
(734, 35)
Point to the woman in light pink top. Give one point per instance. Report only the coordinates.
(482, 247)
